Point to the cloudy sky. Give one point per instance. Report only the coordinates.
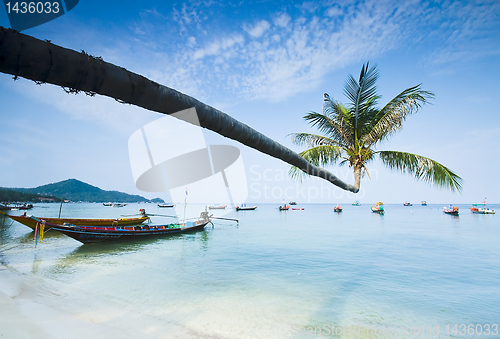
(267, 64)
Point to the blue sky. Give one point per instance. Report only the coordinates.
(268, 63)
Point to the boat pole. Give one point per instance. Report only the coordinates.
(60, 208)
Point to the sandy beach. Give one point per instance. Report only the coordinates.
(24, 313)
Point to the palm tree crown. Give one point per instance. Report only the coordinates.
(351, 133)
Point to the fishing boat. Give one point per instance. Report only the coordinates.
(284, 208)
(217, 207)
(453, 210)
(481, 210)
(292, 203)
(424, 203)
(119, 204)
(90, 234)
(165, 205)
(107, 204)
(298, 209)
(16, 207)
(245, 208)
(407, 204)
(378, 208)
(356, 203)
(31, 223)
(337, 208)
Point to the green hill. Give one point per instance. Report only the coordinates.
(76, 190)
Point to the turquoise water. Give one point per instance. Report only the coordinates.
(293, 274)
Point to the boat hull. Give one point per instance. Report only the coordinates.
(87, 234)
(246, 208)
(31, 223)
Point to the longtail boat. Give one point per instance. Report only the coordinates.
(453, 210)
(166, 205)
(245, 208)
(90, 234)
(284, 208)
(298, 209)
(379, 208)
(337, 208)
(217, 207)
(15, 207)
(31, 223)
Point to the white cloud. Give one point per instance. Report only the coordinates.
(258, 29)
(282, 20)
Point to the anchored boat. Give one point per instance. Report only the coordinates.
(378, 208)
(31, 223)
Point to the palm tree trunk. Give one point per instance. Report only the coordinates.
(25, 56)
(357, 177)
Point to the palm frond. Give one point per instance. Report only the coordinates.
(311, 140)
(338, 113)
(422, 168)
(362, 93)
(326, 125)
(318, 156)
(390, 118)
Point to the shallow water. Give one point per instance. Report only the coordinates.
(293, 274)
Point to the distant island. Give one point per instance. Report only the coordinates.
(72, 190)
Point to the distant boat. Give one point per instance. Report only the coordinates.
(453, 210)
(165, 205)
(298, 209)
(356, 203)
(481, 210)
(119, 205)
(217, 207)
(16, 207)
(337, 208)
(245, 208)
(424, 203)
(31, 223)
(407, 204)
(284, 208)
(107, 204)
(379, 208)
(292, 203)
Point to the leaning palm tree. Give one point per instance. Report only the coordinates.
(44, 62)
(351, 133)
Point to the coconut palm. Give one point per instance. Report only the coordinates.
(44, 62)
(350, 133)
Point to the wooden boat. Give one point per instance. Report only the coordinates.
(31, 223)
(356, 203)
(245, 208)
(107, 204)
(298, 209)
(284, 208)
(337, 208)
(453, 210)
(424, 203)
(407, 204)
(165, 205)
(378, 208)
(481, 210)
(217, 207)
(292, 203)
(119, 205)
(90, 234)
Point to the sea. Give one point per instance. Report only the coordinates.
(414, 272)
